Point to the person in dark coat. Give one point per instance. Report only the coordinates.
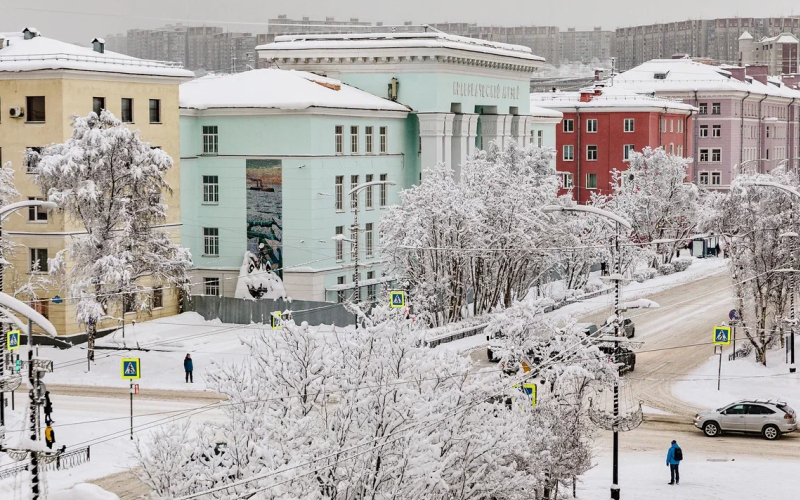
(674, 457)
(48, 408)
(188, 367)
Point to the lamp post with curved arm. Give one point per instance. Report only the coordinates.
(617, 278)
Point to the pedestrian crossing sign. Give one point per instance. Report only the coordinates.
(530, 391)
(12, 340)
(722, 335)
(131, 368)
(397, 299)
(277, 320)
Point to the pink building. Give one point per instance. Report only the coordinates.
(746, 120)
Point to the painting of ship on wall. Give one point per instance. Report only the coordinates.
(265, 212)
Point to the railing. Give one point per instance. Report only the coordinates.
(64, 460)
(93, 59)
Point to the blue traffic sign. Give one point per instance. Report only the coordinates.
(12, 340)
(397, 299)
(131, 368)
(734, 315)
(57, 300)
(722, 335)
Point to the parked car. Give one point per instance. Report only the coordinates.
(587, 328)
(494, 351)
(628, 328)
(768, 417)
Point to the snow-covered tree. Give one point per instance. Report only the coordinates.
(655, 196)
(8, 195)
(111, 185)
(752, 220)
(482, 237)
(368, 412)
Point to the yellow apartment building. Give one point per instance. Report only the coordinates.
(43, 83)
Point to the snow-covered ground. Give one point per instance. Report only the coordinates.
(743, 378)
(644, 476)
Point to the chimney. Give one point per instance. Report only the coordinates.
(30, 33)
(586, 95)
(99, 45)
(597, 73)
(737, 73)
(791, 80)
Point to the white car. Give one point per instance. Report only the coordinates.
(766, 417)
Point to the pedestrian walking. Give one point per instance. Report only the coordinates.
(49, 436)
(48, 408)
(188, 367)
(674, 457)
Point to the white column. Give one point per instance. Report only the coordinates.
(435, 141)
(447, 140)
(459, 143)
(518, 130)
(472, 133)
(492, 130)
(507, 119)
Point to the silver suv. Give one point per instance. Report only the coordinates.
(768, 417)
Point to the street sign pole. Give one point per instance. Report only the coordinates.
(719, 372)
(131, 410)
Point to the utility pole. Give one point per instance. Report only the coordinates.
(617, 291)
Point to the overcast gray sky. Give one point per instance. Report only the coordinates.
(80, 20)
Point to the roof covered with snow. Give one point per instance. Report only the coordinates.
(782, 38)
(609, 97)
(278, 89)
(399, 40)
(746, 36)
(42, 53)
(685, 75)
(539, 111)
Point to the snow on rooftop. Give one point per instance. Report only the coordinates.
(545, 112)
(399, 40)
(746, 36)
(279, 89)
(41, 53)
(609, 97)
(685, 75)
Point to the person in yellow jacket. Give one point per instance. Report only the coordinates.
(49, 436)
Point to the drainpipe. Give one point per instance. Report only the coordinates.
(662, 125)
(696, 140)
(578, 153)
(789, 152)
(741, 136)
(686, 120)
(760, 154)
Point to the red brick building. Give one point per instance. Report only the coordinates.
(601, 126)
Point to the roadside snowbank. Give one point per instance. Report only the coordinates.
(83, 491)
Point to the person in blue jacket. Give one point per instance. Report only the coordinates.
(188, 367)
(674, 457)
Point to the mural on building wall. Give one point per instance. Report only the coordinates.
(264, 212)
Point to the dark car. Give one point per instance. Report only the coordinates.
(628, 328)
(624, 355)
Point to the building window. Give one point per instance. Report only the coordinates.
(38, 260)
(591, 153)
(591, 125)
(211, 241)
(42, 306)
(33, 156)
(591, 181)
(703, 108)
(704, 178)
(663, 125)
(371, 288)
(767, 132)
(339, 243)
(568, 126)
(540, 138)
(128, 303)
(210, 189)
(127, 110)
(370, 203)
(716, 178)
(716, 108)
(704, 155)
(569, 152)
(158, 298)
(716, 131)
(627, 149)
(354, 140)
(628, 125)
(354, 196)
(383, 140)
(339, 139)
(211, 286)
(210, 139)
(680, 151)
(368, 139)
(340, 293)
(672, 125)
(680, 126)
(383, 194)
(368, 240)
(35, 112)
(37, 214)
(339, 193)
(766, 157)
(703, 130)
(98, 105)
(716, 155)
(566, 180)
(353, 240)
(155, 111)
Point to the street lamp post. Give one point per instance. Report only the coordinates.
(617, 278)
(4, 213)
(793, 282)
(353, 194)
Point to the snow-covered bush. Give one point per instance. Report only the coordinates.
(666, 269)
(682, 263)
(594, 285)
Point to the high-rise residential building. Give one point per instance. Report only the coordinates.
(779, 53)
(117, 43)
(542, 40)
(200, 46)
(717, 39)
(233, 52)
(586, 46)
(162, 44)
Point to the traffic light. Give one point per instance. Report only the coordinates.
(17, 365)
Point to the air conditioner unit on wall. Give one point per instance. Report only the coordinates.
(16, 112)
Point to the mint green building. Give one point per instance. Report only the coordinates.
(268, 156)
